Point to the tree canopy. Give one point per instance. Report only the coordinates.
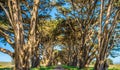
(86, 30)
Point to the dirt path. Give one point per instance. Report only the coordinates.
(59, 68)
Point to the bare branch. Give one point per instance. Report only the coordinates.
(108, 14)
(7, 13)
(7, 29)
(33, 20)
(7, 52)
(10, 9)
(7, 37)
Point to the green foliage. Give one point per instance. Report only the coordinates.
(117, 3)
(110, 62)
(93, 62)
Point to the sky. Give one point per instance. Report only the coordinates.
(4, 57)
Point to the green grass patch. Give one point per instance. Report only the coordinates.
(6, 69)
(44, 68)
(69, 67)
(75, 68)
(111, 67)
(114, 67)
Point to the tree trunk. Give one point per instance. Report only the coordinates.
(101, 65)
(22, 62)
(23, 50)
(81, 64)
(74, 61)
(35, 62)
(36, 58)
(22, 66)
(84, 63)
(22, 59)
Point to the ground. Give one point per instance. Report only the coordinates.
(59, 67)
(7, 66)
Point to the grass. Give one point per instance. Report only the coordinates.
(44, 68)
(75, 68)
(64, 66)
(111, 67)
(114, 67)
(3, 67)
(6, 69)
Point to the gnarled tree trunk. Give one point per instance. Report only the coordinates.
(23, 50)
(101, 65)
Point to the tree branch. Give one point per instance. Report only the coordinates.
(7, 13)
(7, 52)
(7, 37)
(10, 9)
(108, 15)
(33, 20)
(7, 29)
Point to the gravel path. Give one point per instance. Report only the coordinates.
(59, 68)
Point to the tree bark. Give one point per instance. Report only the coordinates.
(36, 58)
(101, 65)
(23, 51)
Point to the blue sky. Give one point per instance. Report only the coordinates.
(5, 57)
(116, 60)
